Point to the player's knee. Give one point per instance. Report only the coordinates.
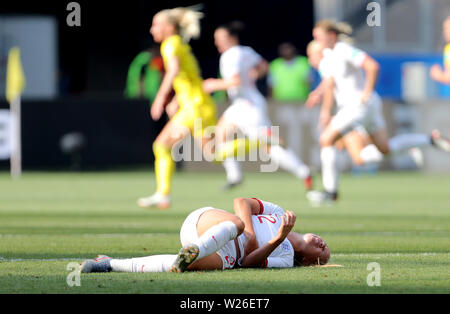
(239, 201)
(157, 145)
(384, 149)
(324, 141)
(357, 160)
(240, 225)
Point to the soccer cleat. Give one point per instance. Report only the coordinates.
(440, 142)
(186, 256)
(308, 183)
(102, 264)
(156, 200)
(417, 156)
(231, 185)
(318, 198)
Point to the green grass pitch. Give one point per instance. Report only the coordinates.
(47, 220)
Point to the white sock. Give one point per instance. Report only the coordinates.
(288, 161)
(148, 264)
(215, 238)
(371, 154)
(403, 142)
(233, 170)
(330, 172)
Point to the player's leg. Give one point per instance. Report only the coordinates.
(279, 154)
(402, 142)
(147, 264)
(245, 116)
(383, 146)
(172, 133)
(360, 149)
(224, 131)
(328, 158)
(376, 127)
(440, 142)
(341, 124)
(290, 162)
(237, 148)
(212, 137)
(411, 143)
(252, 120)
(214, 217)
(203, 233)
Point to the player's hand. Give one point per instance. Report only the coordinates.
(435, 72)
(253, 74)
(172, 108)
(287, 223)
(314, 98)
(324, 120)
(251, 244)
(157, 109)
(209, 85)
(366, 96)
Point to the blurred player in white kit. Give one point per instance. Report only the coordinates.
(348, 77)
(240, 67)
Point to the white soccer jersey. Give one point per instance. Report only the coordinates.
(240, 60)
(343, 63)
(266, 226)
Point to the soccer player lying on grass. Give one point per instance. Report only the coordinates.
(258, 235)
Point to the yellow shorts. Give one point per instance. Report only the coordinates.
(199, 120)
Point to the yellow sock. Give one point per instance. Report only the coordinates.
(236, 148)
(164, 168)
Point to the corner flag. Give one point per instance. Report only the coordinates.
(15, 79)
(15, 84)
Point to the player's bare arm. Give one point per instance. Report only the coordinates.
(212, 85)
(259, 71)
(440, 75)
(315, 96)
(258, 257)
(244, 208)
(327, 102)
(371, 69)
(173, 67)
(172, 107)
(437, 73)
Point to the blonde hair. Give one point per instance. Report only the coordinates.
(185, 20)
(342, 30)
(313, 46)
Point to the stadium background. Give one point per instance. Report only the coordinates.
(85, 85)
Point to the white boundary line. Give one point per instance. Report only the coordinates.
(388, 254)
(62, 259)
(71, 259)
(87, 235)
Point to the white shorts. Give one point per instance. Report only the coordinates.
(250, 118)
(188, 235)
(368, 116)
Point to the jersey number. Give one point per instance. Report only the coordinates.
(268, 218)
